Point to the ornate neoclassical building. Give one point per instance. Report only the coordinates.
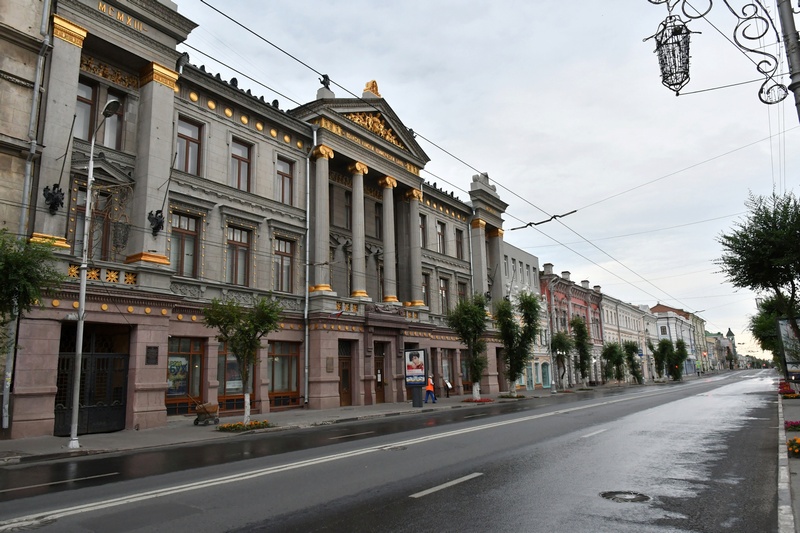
(202, 190)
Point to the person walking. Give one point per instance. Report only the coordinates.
(429, 390)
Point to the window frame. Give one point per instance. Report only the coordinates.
(236, 163)
(283, 264)
(233, 248)
(459, 244)
(284, 182)
(441, 237)
(184, 166)
(178, 236)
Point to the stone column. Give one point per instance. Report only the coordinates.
(322, 223)
(414, 197)
(154, 139)
(61, 91)
(358, 275)
(495, 236)
(480, 263)
(389, 248)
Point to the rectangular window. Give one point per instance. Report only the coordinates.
(444, 294)
(240, 166)
(462, 291)
(284, 260)
(238, 251)
(348, 210)
(183, 247)
(528, 273)
(514, 268)
(85, 111)
(188, 147)
(426, 283)
(378, 221)
(441, 235)
(283, 367)
(663, 330)
(100, 231)
(184, 368)
(112, 136)
(459, 244)
(285, 181)
(423, 231)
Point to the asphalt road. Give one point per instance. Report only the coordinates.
(702, 455)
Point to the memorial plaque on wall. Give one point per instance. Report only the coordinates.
(151, 355)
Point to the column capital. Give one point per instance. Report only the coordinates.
(68, 31)
(323, 152)
(159, 74)
(388, 182)
(497, 232)
(478, 223)
(414, 194)
(358, 168)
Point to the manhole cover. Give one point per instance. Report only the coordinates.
(624, 496)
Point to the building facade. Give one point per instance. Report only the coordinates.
(203, 191)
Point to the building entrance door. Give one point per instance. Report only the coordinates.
(104, 378)
(345, 377)
(380, 388)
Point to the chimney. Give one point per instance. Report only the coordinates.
(597, 288)
(585, 284)
(565, 275)
(548, 269)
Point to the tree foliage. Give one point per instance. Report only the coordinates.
(27, 271)
(762, 253)
(560, 346)
(583, 345)
(615, 361)
(241, 329)
(468, 320)
(631, 350)
(676, 359)
(662, 354)
(517, 337)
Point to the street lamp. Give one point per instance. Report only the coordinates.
(110, 109)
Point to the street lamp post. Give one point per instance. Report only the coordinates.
(110, 109)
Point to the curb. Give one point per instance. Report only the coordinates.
(785, 510)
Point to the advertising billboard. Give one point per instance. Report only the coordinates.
(415, 367)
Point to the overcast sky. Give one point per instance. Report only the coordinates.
(561, 103)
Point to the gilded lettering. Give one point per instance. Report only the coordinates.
(130, 21)
(101, 6)
(120, 16)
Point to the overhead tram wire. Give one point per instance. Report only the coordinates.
(452, 155)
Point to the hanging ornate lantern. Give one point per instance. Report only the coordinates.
(672, 47)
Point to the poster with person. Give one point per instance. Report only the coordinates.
(415, 368)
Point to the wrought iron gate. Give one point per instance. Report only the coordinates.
(104, 378)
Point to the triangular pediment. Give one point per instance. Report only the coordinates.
(372, 120)
(103, 168)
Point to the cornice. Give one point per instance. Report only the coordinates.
(164, 13)
(102, 20)
(14, 36)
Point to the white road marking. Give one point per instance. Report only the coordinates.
(35, 520)
(351, 435)
(593, 434)
(445, 485)
(58, 482)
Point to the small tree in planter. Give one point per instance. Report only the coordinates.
(631, 350)
(615, 361)
(661, 354)
(468, 320)
(516, 338)
(583, 345)
(242, 328)
(675, 362)
(560, 346)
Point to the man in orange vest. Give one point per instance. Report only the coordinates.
(429, 389)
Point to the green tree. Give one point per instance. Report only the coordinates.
(615, 361)
(762, 253)
(676, 359)
(517, 338)
(631, 350)
(661, 354)
(583, 345)
(241, 329)
(560, 346)
(27, 271)
(468, 320)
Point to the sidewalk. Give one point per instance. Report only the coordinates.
(181, 429)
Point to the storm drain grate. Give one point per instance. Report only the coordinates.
(624, 496)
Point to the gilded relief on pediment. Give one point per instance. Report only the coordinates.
(374, 122)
